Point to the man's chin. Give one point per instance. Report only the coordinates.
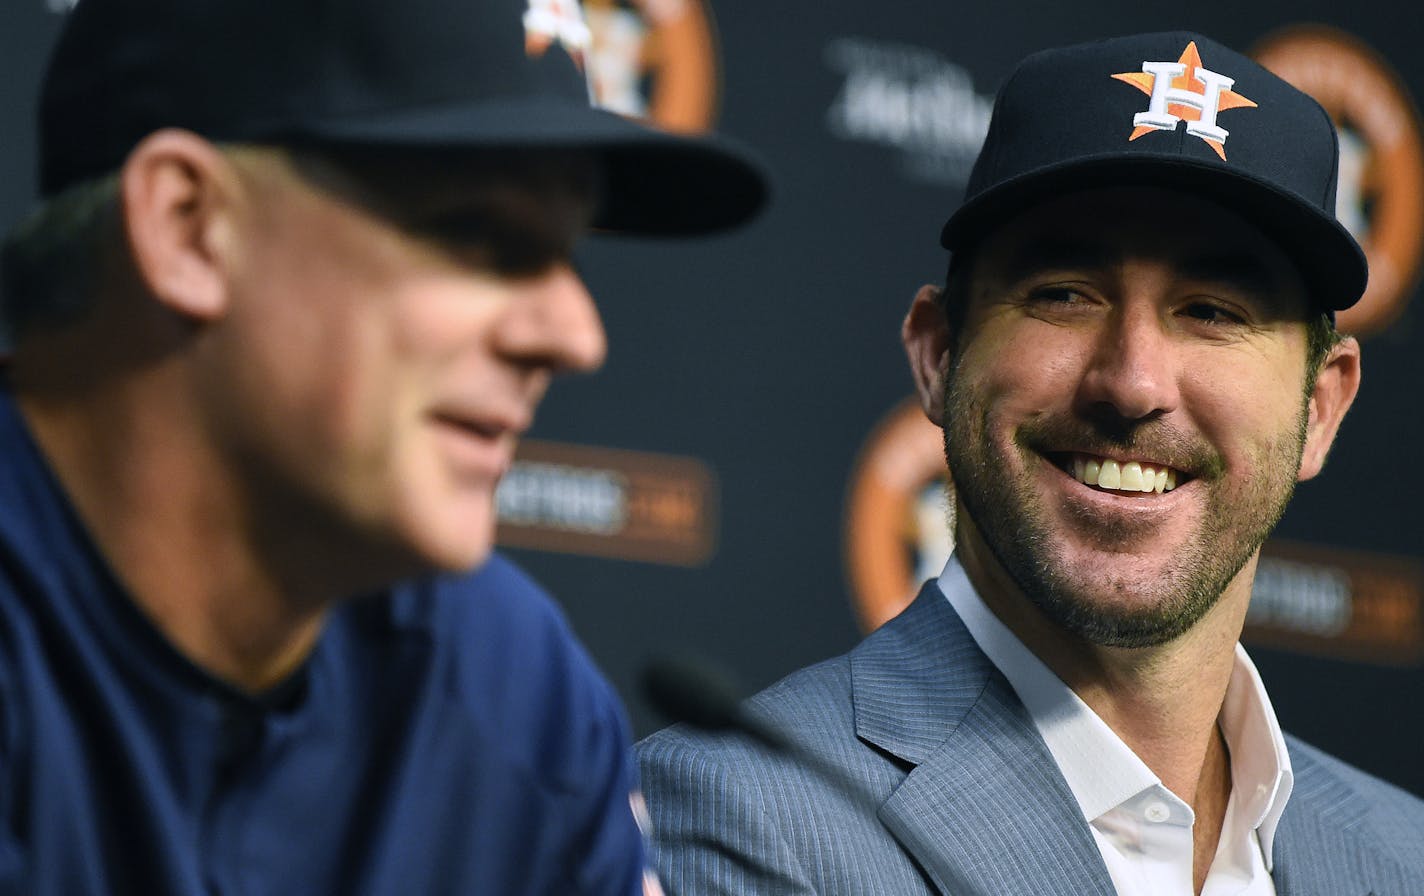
(1127, 611)
(460, 557)
(455, 544)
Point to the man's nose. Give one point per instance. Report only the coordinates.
(1132, 371)
(553, 323)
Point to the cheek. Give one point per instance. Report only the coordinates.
(326, 378)
(436, 310)
(1020, 376)
(1256, 388)
(1254, 422)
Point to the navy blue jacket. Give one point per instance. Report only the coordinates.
(447, 736)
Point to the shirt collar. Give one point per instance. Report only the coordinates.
(1261, 773)
(1101, 770)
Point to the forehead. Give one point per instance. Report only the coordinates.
(1102, 228)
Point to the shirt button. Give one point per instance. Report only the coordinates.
(1157, 813)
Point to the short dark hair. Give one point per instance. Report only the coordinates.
(51, 263)
(54, 262)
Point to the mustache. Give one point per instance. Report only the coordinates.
(1149, 439)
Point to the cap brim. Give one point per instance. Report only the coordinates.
(657, 183)
(1331, 261)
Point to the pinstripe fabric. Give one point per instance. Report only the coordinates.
(959, 795)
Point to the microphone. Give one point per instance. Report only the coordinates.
(693, 693)
(689, 692)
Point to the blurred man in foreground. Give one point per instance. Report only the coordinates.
(1134, 361)
(300, 280)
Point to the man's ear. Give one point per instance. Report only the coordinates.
(178, 192)
(928, 343)
(1329, 399)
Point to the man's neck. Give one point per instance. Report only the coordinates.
(171, 523)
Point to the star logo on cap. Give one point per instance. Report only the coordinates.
(1184, 91)
(561, 21)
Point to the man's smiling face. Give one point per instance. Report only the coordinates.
(396, 320)
(1125, 407)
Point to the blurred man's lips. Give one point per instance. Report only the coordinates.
(480, 428)
(487, 425)
(477, 428)
(480, 444)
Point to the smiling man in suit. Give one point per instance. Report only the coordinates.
(1134, 361)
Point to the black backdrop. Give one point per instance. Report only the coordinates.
(767, 357)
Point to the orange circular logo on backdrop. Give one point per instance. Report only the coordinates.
(1381, 191)
(898, 523)
(655, 59)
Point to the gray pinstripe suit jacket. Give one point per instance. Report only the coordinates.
(961, 796)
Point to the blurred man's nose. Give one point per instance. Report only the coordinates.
(554, 323)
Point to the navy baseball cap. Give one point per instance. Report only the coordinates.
(427, 74)
(1175, 110)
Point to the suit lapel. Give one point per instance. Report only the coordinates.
(1321, 848)
(985, 809)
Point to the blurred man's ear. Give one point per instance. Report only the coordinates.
(928, 344)
(178, 193)
(1332, 395)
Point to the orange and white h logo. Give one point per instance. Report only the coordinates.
(1184, 91)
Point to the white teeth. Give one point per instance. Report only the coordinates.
(1111, 475)
(1149, 478)
(1132, 476)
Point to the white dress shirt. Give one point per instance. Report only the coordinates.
(1143, 830)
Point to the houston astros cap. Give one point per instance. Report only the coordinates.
(408, 74)
(1175, 110)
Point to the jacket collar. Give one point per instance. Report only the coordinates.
(984, 808)
(1323, 845)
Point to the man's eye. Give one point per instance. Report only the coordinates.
(1211, 314)
(482, 246)
(1058, 295)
